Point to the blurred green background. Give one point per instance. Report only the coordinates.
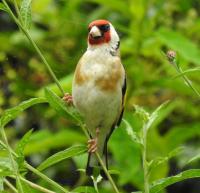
(147, 29)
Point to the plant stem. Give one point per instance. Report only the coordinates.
(144, 161)
(35, 171)
(12, 160)
(62, 91)
(95, 184)
(37, 187)
(38, 173)
(186, 79)
(102, 164)
(10, 186)
(27, 34)
(17, 9)
(107, 173)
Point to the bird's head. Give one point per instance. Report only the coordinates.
(102, 32)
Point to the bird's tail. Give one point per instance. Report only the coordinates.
(93, 163)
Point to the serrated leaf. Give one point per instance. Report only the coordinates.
(85, 189)
(25, 13)
(2, 7)
(12, 113)
(163, 183)
(65, 154)
(60, 106)
(154, 115)
(21, 146)
(160, 160)
(5, 167)
(141, 113)
(4, 172)
(5, 163)
(134, 137)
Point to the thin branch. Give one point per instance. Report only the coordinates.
(144, 161)
(172, 58)
(35, 186)
(101, 163)
(17, 174)
(27, 34)
(17, 9)
(10, 186)
(59, 86)
(38, 173)
(35, 171)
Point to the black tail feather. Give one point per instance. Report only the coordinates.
(89, 169)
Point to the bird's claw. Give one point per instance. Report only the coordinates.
(68, 99)
(92, 145)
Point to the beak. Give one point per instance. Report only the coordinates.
(95, 32)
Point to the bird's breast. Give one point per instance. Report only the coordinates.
(104, 73)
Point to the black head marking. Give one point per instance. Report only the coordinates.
(118, 44)
(104, 28)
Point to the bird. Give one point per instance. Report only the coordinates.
(98, 89)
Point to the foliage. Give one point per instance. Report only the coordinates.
(166, 140)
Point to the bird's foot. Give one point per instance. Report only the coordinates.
(68, 99)
(92, 143)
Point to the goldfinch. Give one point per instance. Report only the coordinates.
(98, 89)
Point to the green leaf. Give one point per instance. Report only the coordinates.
(5, 163)
(5, 172)
(27, 188)
(162, 183)
(25, 13)
(12, 113)
(154, 115)
(141, 113)
(187, 71)
(2, 7)
(176, 41)
(180, 133)
(134, 136)
(85, 189)
(5, 167)
(60, 106)
(65, 154)
(195, 158)
(66, 84)
(23, 142)
(160, 160)
(21, 146)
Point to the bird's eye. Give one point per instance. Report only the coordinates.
(104, 28)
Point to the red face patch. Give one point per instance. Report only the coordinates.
(104, 27)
